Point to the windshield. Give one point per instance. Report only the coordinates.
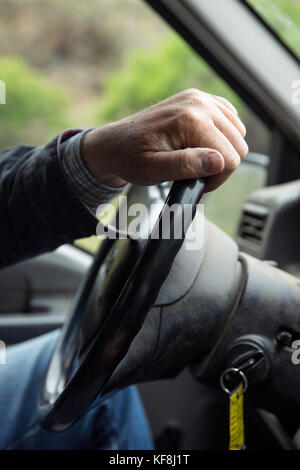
(283, 16)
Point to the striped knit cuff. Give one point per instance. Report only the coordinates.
(91, 192)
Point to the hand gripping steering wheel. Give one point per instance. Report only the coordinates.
(73, 380)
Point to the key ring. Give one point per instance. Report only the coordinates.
(233, 370)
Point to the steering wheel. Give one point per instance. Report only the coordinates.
(76, 375)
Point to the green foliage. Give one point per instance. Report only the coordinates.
(33, 106)
(151, 76)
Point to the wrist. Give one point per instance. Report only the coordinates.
(97, 160)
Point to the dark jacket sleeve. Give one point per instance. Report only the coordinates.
(39, 210)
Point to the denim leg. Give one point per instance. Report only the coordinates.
(115, 423)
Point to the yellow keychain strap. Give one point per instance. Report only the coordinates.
(236, 419)
(236, 409)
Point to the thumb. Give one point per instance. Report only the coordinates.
(186, 163)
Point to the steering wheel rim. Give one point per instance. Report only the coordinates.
(68, 391)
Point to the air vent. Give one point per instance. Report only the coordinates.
(253, 222)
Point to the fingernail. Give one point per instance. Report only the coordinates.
(212, 163)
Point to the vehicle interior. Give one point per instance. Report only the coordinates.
(242, 280)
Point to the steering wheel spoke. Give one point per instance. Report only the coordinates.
(82, 363)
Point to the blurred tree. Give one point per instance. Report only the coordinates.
(150, 76)
(34, 109)
(72, 40)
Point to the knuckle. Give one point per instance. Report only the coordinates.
(244, 132)
(186, 165)
(195, 97)
(232, 163)
(186, 115)
(245, 150)
(207, 125)
(197, 101)
(193, 92)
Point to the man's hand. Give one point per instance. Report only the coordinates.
(192, 134)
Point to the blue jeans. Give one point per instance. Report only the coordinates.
(118, 422)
